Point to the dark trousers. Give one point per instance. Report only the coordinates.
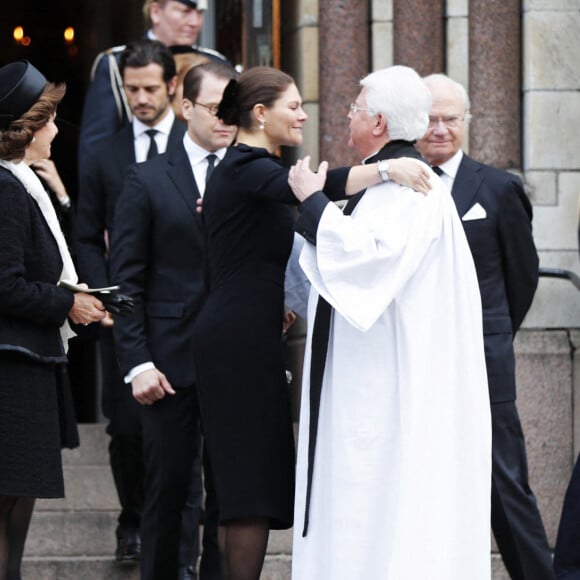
(515, 519)
(171, 442)
(567, 551)
(125, 429)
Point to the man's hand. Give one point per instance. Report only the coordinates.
(47, 170)
(150, 386)
(305, 182)
(410, 173)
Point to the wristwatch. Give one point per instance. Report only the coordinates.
(383, 169)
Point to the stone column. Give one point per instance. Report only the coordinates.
(344, 60)
(419, 42)
(494, 81)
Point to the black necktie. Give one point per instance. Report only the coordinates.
(210, 166)
(153, 151)
(319, 350)
(437, 170)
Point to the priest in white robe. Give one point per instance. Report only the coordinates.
(401, 473)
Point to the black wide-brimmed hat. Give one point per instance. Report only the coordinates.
(20, 87)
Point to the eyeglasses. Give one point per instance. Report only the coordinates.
(451, 122)
(354, 109)
(212, 108)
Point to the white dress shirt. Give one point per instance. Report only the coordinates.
(142, 140)
(450, 168)
(198, 158)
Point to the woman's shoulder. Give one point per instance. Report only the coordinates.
(242, 157)
(10, 186)
(6, 175)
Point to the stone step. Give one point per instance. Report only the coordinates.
(275, 568)
(87, 487)
(77, 569)
(94, 447)
(64, 534)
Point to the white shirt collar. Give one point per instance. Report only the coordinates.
(451, 166)
(164, 126)
(196, 154)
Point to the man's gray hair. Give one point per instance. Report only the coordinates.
(442, 79)
(400, 94)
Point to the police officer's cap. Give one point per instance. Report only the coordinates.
(20, 87)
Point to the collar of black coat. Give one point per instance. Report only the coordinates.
(395, 149)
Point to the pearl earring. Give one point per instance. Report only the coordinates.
(262, 125)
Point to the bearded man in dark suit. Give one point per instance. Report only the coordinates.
(497, 218)
(148, 69)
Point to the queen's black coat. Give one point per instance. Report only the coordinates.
(32, 309)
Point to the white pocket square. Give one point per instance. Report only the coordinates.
(476, 212)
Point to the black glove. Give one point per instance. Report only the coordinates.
(114, 302)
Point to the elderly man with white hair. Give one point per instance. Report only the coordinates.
(394, 453)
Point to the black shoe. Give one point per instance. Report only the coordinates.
(128, 547)
(187, 573)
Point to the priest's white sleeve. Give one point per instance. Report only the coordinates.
(361, 263)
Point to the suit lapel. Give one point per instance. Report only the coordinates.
(466, 184)
(124, 145)
(175, 135)
(123, 150)
(180, 173)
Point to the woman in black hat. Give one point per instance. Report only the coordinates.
(36, 414)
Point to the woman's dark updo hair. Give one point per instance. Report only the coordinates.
(260, 84)
(18, 135)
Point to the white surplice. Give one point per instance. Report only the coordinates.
(402, 474)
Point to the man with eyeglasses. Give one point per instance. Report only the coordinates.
(496, 215)
(157, 258)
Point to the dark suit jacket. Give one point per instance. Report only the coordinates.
(157, 258)
(505, 259)
(100, 187)
(32, 307)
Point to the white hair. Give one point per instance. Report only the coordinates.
(442, 79)
(400, 94)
